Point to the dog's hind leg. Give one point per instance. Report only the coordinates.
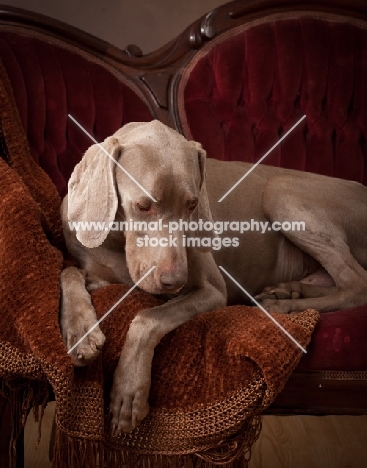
(328, 222)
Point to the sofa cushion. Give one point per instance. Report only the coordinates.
(339, 342)
(51, 79)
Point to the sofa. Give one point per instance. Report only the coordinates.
(235, 80)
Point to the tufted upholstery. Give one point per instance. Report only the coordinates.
(243, 91)
(50, 80)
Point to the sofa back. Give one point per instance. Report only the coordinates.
(236, 80)
(51, 79)
(248, 87)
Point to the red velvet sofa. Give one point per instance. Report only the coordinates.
(236, 80)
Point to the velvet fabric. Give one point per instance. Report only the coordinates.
(51, 80)
(246, 88)
(246, 91)
(339, 342)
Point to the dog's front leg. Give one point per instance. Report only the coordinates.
(131, 385)
(77, 316)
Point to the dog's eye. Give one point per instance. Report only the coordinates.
(191, 205)
(144, 205)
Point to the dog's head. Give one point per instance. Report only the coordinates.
(141, 181)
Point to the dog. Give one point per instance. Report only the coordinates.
(153, 173)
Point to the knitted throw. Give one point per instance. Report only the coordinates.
(211, 379)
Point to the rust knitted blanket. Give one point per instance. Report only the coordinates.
(212, 377)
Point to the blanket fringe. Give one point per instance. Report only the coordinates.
(75, 452)
(23, 396)
(236, 447)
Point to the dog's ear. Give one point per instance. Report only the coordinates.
(203, 211)
(92, 195)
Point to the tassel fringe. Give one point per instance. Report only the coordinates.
(23, 396)
(74, 452)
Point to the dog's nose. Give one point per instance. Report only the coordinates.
(173, 280)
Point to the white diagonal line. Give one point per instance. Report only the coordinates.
(261, 159)
(112, 308)
(108, 154)
(262, 308)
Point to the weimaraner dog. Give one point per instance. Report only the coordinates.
(321, 267)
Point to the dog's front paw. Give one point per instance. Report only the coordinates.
(81, 325)
(129, 401)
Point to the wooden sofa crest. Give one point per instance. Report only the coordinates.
(236, 80)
